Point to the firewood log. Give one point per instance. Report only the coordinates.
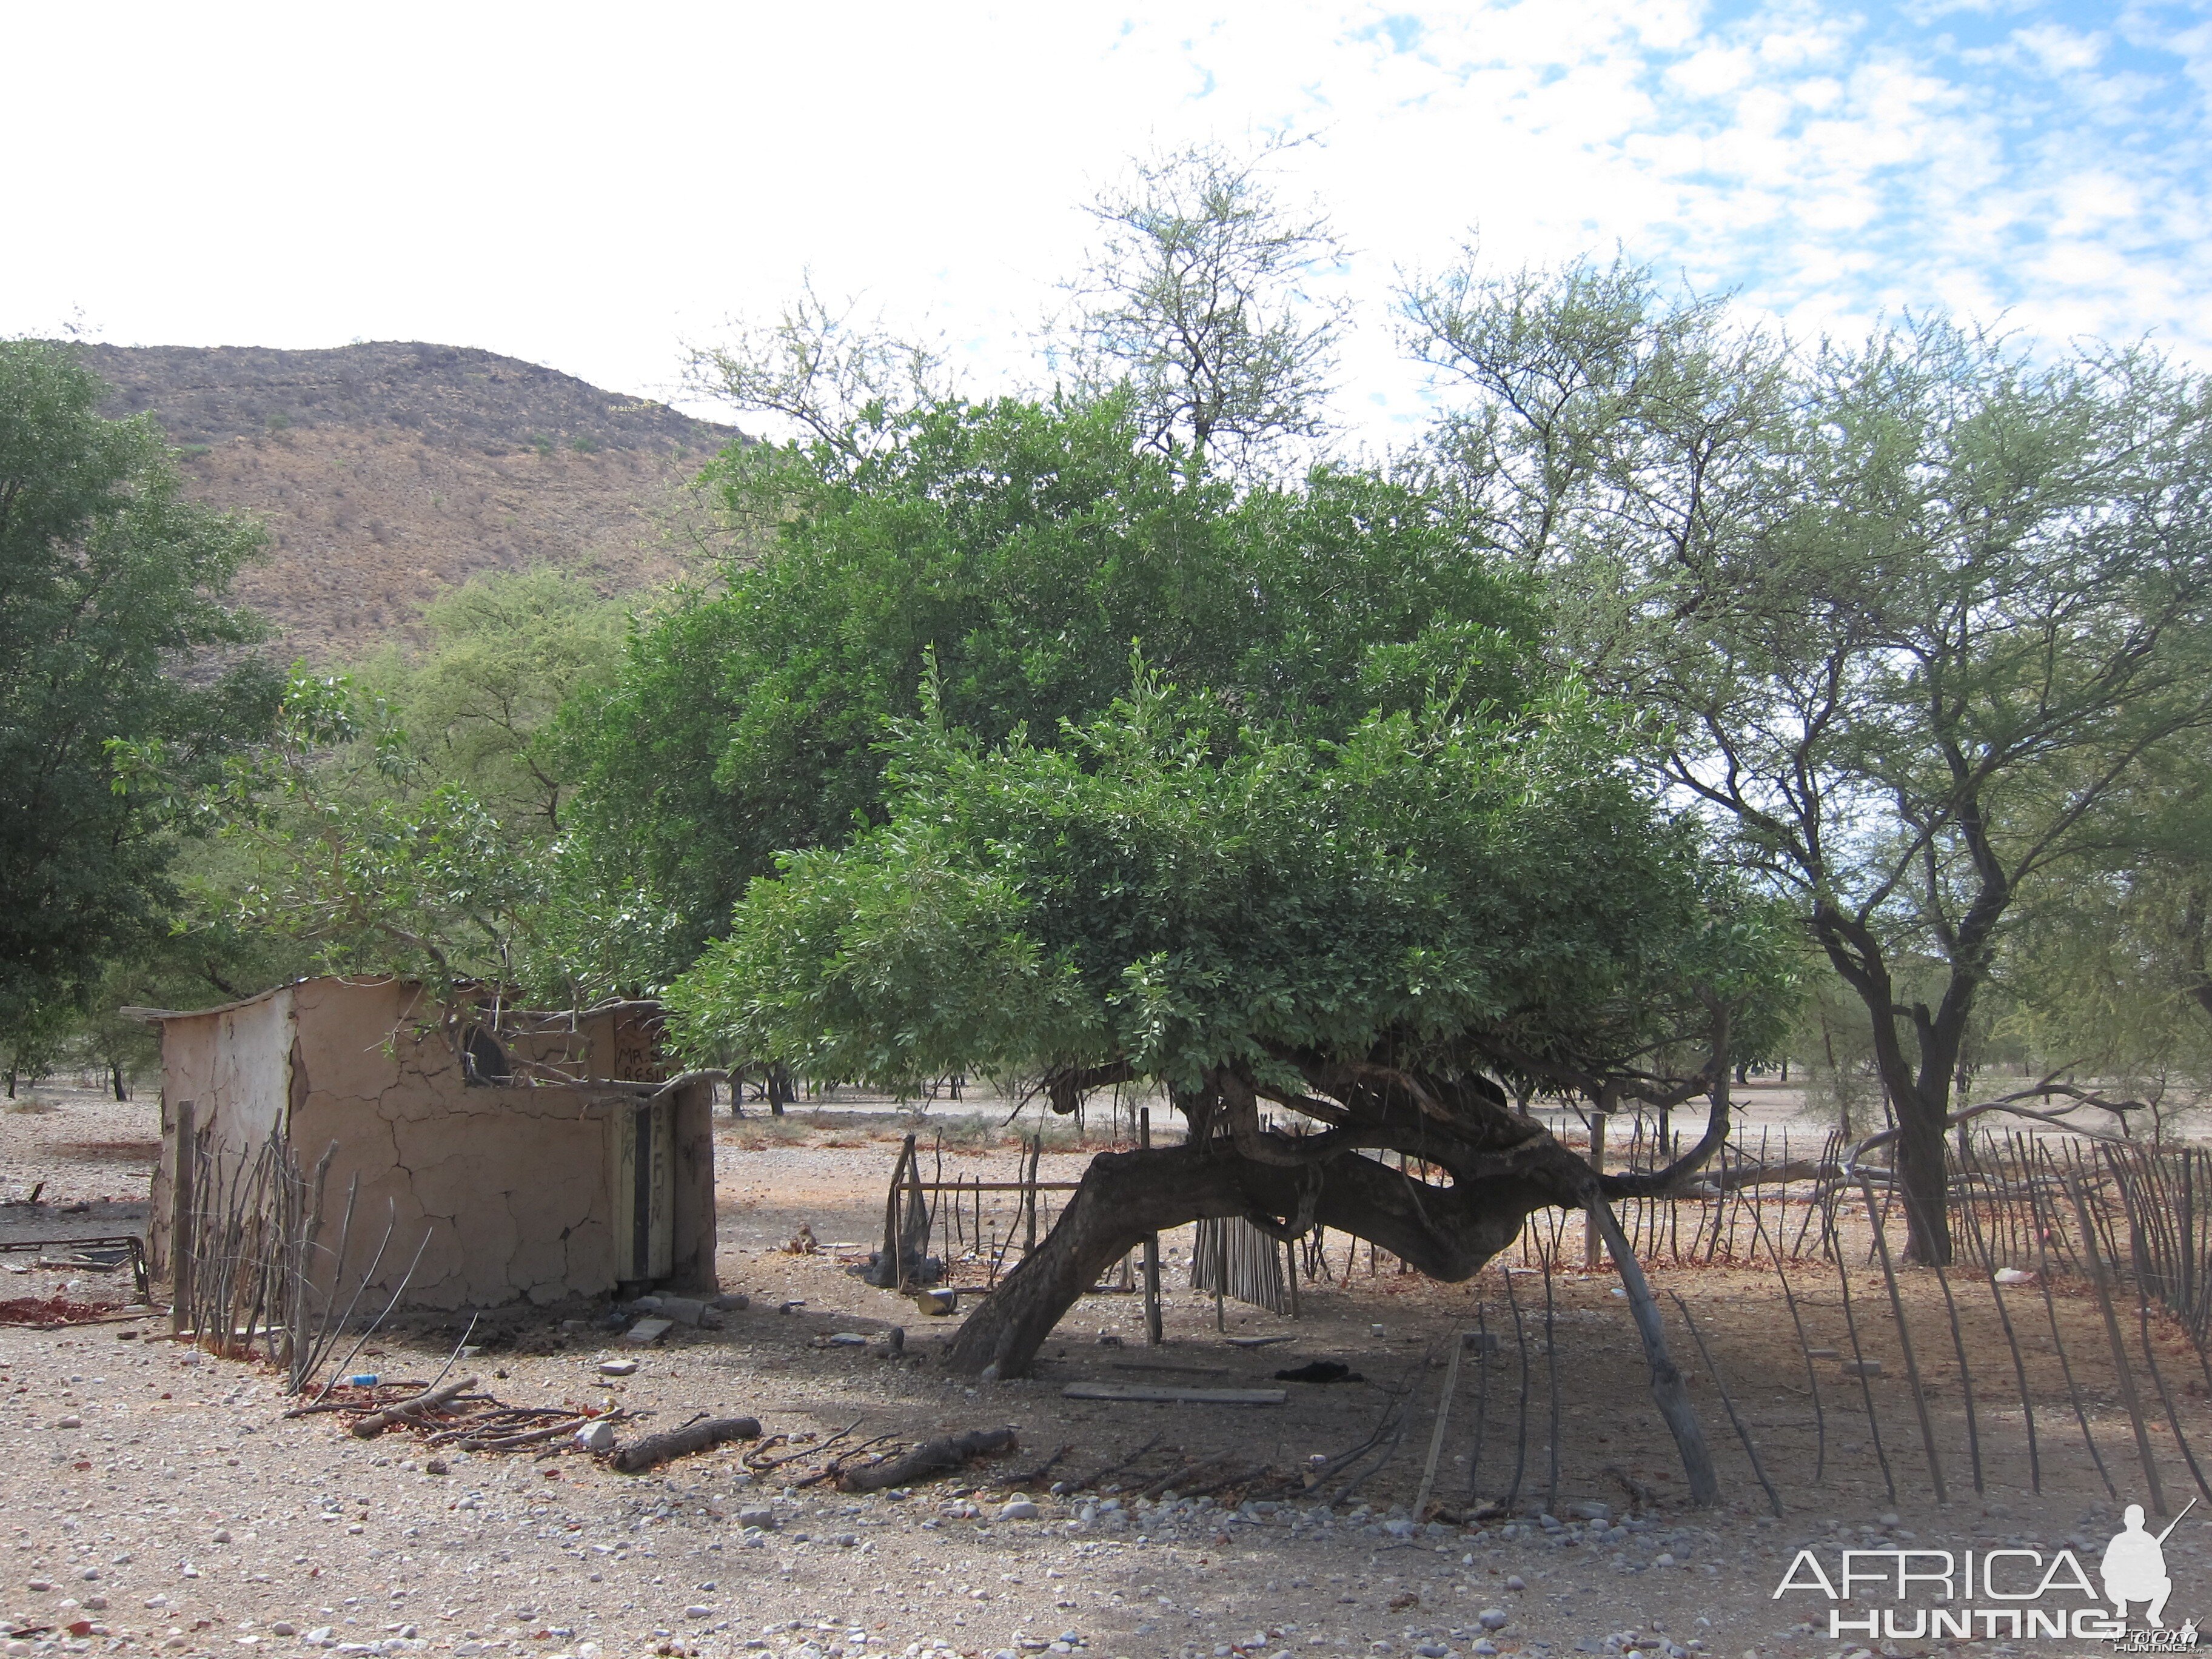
(934, 1457)
(681, 1443)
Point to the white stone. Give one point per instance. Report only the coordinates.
(617, 1368)
(681, 1308)
(1493, 1619)
(71, 1421)
(1020, 1510)
(597, 1437)
(647, 1332)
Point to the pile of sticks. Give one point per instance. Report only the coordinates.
(457, 1414)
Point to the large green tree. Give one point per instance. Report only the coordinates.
(1380, 934)
(113, 623)
(1919, 616)
(1027, 546)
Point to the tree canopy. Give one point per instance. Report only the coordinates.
(1026, 546)
(110, 583)
(1167, 893)
(408, 817)
(1200, 298)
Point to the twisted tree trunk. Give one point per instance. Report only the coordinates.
(1446, 1232)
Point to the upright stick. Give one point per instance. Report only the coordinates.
(1521, 1431)
(1905, 1343)
(1833, 1236)
(1443, 1417)
(1983, 1255)
(1804, 1347)
(2095, 1260)
(181, 1220)
(1593, 1240)
(1481, 1400)
(1552, 1381)
(1728, 1404)
(1667, 1392)
(1152, 1335)
(1966, 1374)
(894, 1259)
(2058, 1342)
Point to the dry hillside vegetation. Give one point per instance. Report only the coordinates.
(387, 473)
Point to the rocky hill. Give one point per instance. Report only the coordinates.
(389, 472)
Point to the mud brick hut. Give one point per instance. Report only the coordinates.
(529, 1157)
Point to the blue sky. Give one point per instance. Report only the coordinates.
(591, 188)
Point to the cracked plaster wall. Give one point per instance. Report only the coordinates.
(514, 1186)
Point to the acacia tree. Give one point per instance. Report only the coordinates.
(1201, 297)
(1919, 615)
(409, 818)
(501, 653)
(834, 378)
(1381, 935)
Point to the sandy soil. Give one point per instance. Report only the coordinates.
(165, 1494)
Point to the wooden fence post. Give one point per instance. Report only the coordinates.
(894, 1257)
(180, 1220)
(1667, 1391)
(1152, 1334)
(1592, 1241)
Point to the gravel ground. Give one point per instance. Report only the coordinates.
(162, 1498)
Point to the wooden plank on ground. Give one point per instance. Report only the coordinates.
(1134, 1393)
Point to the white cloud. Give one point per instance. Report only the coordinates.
(587, 189)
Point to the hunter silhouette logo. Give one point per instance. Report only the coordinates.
(2133, 1567)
